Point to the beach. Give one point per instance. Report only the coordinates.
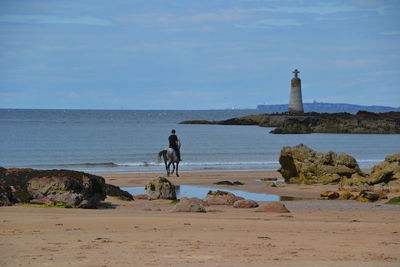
(146, 233)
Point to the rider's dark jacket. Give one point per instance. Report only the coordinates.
(172, 141)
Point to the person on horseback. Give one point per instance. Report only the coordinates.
(174, 143)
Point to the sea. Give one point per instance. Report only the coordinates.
(128, 141)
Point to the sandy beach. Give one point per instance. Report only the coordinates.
(146, 233)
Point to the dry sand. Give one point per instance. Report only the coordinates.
(146, 233)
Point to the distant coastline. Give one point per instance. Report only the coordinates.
(328, 108)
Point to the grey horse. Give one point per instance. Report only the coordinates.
(170, 157)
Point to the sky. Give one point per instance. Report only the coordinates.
(187, 54)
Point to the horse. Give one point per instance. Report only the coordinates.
(170, 157)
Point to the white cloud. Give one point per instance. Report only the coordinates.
(322, 9)
(44, 19)
(269, 23)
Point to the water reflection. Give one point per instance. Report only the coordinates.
(201, 192)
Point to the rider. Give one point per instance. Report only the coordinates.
(173, 143)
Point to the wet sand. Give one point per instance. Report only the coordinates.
(146, 233)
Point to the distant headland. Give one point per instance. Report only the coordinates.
(363, 122)
(327, 108)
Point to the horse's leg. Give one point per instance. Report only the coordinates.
(173, 168)
(169, 164)
(177, 165)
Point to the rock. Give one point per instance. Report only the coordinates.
(229, 183)
(347, 196)
(387, 171)
(366, 196)
(115, 191)
(57, 186)
(302, 165)
(269, 179)
(221, 198)
(189, 205)
(161, 188)
(330, 195)
(224, 183)
(194, 200)
(313, 122)
(278, 207)
(245, 204)
(5, 196)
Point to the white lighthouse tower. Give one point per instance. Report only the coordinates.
(296, 101)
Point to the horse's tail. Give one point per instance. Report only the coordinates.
(161, 153)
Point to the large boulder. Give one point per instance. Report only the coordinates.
(221, 198)
(67, 187)
(302, 165)
(161, 188)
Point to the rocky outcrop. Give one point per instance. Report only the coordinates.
(62, 187)
(160, 188)
(245, 204)
(221, 198)
(363, 122)
(302, 165)
(278, 207)
(387, 172)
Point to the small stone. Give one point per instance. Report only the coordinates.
(278, 207)
(330, 194)
(190, 205)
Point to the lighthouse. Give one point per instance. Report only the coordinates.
(296, 101)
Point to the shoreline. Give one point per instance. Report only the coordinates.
(146, 233)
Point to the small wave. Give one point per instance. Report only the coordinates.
(76, 165)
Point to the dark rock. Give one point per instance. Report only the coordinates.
(366, 196)
(330, 195)
(245, 204)
(221, 198)
(278, 207)
(302, 165)
(115, 191)
(269, 179)
(224, 183)
(313, 122)
(161, 188)
(229, 183)
(5, 196)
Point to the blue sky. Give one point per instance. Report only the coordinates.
(185, 54)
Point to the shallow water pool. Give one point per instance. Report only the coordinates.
(201, 192)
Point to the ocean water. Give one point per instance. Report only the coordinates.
(118, 141)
